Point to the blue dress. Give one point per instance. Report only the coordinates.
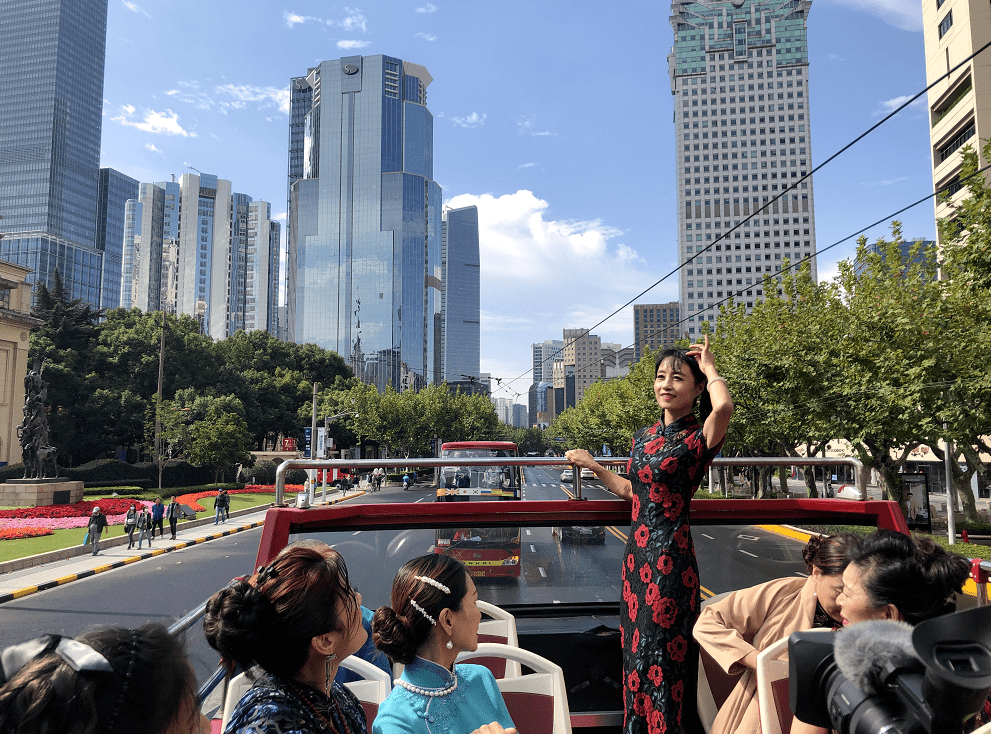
(475, 702)
(661, 578)
(277, 706)
(368, 653)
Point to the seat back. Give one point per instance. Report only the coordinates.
(501, 629)
(236, 688)
(714, 683)
(772, 689)
(538, 701)
(373, 690)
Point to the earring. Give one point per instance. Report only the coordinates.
(449, 645)
(328, 673)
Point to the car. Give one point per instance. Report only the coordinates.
(568, 475)
(593, 534)
(587, 473)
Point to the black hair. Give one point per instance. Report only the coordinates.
(914, 574)
(151, 688)
(271, 618)
(400, 630)
(830, 553)
(678, 358)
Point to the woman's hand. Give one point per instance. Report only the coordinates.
(703, 355)
(494, 728)
(582, 459)
(614, 483)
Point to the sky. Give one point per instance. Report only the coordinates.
(554, 118)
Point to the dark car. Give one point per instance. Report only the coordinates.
(594, 534)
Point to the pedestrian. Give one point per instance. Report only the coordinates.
(218, 506)
(227, 506)
(660, 572)
(97, 522)
(130, 524)
(145, 527)
(157, 518)
(172, 513)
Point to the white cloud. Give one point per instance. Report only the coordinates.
(525, 126)
(352, 20)
(426, 36)
(267, 96)
(428, 8)
(527, 165)
(280, 217)
(134, 8)
(152, 148)
(225, 97)
(884, 182)
(903, 14)
(353, 44)
(890, 105)
(295, 19)
(834, 57)
(163, 123)
(471, 121)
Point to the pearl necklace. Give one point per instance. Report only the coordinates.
(429, 692)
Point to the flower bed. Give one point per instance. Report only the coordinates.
(109, 507)
(24, 532)
(192, 499)
(53, 517)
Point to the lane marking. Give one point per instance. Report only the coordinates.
(358, 532)
(555, 601)
(752, 555)
(706, 591)
(527, 532)
(748, 537)
(543, 573)
(420, 500)
(706, 536)
(803, 575)
(532, 549)
(618, 533)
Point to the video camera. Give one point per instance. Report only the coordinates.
(887, 677)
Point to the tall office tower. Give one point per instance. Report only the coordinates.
(519, 415)
(959, 106)
(115, 189)
(151, 225)
(364, 224)
(51, 105)
(261, 294)
(740, 76)
(584, 351)
(615, 361)
(460, 328)
(655, 326)
(543, 358)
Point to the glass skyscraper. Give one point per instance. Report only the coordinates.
(51, 103)
(740, 77)
(460, 323)
(364, 224)
(115, 190)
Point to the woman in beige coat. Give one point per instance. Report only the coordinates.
(735, 629)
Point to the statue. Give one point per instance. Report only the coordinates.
(39, 456)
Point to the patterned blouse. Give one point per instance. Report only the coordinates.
(276, 706)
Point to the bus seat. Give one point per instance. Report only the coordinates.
(373, 690)
(501, 628)
(986, 729)
(538, 701)
(238, 686)
(714, 684)
(772, 689)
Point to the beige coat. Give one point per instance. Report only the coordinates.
(747, 620)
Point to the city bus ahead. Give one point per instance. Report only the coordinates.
(487, 552)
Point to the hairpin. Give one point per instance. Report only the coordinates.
(79, 655)
(433, 582)
(422, 611)
(267, 572)
(126, 683)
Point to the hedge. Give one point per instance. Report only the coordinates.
(111, 472)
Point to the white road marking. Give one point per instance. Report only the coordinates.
(752, 555)
(706, 536)
(748, 537)
(532, 549)
(356, 532)
(420, 500)
(527, 532)
(803, 575)
(555, 601)
(543, 573)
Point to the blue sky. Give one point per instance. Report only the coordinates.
(554, 118)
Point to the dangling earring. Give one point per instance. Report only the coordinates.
(328, 673)
(449, 645)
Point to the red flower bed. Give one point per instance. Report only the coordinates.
(79, 509)
(19, 533)
(192, 498)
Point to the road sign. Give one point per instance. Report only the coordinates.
(321, 442)
(306, 442)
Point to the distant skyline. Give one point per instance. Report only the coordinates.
(553, 119)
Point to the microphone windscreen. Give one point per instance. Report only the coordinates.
(865, 652)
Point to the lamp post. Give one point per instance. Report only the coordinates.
(158, 405)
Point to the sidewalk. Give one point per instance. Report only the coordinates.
(114, 553)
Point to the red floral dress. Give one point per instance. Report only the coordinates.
(661, 578)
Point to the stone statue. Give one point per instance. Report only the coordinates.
(38, 455)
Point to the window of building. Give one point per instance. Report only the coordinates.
(946, 24)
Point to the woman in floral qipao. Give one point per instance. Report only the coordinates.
(660, 573)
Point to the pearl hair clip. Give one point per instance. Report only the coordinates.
(433, 582)
(422, 611)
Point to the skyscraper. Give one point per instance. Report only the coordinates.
(115, 189)
(364, 224)
(655, 326)
(582, 352)
(261, 294)
(739, 74)
(543, 358)
(151, 226)
(460, 322)
(51, 104)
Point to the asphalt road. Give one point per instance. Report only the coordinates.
(163, 588)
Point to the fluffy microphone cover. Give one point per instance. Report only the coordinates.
(867, 651)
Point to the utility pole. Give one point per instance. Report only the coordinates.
(313, 439)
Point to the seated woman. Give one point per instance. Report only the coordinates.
(296, 618)
(112, 681)
(734, 630)
(434, 617)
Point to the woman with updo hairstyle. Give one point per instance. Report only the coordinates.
(296, 619)
(735, 629)
(108, 681)
(434, 616)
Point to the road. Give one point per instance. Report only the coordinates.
(163, 588)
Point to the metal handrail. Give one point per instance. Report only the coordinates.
(280, 472)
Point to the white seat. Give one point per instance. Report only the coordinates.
(238, 686)
(986, 729)
(772, 689)
(537, 702)
(713, 683)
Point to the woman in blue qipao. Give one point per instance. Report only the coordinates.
(660, 573)
(433, 617)
(297, 619)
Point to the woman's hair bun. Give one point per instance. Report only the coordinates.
(238, 622)
(811, 550)
(393, 635)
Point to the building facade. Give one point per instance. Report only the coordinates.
(544, 354)
(739, 72)
(959, 105)
(51, 107)
(583, 352)
(615, 361)
(261, 295)
(16, 323)
(655, 326)
(364, 224)
(114, 192)
(460, 329)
